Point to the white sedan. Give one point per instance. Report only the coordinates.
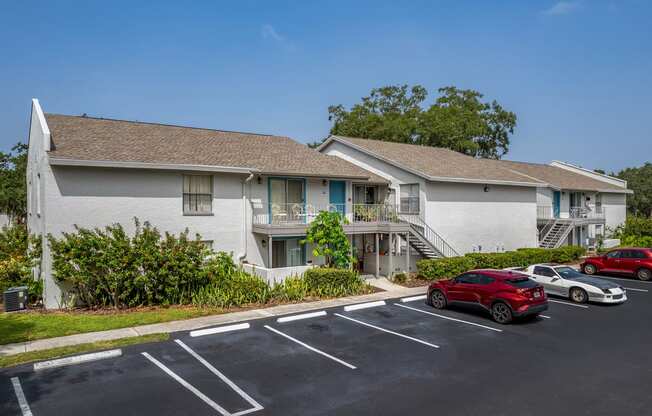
(567, 282)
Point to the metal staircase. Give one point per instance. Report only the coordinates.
(425, 240)
(555, 233)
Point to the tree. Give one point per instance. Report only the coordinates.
(13, 183)
(458, 120)
(639, 180)
(327, 235)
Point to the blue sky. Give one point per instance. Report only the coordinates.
(577, 73)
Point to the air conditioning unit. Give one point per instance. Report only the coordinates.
(15, 299)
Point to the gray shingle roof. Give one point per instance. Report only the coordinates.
(437, 163)
(96, 139)
(558, 177)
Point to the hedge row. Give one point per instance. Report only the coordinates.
(437, 269)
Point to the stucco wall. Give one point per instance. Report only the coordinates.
(615, 209)
(470, 219)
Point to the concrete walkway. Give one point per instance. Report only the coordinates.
(390, 291)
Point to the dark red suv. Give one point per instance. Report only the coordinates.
(505, 294)
(632, 261)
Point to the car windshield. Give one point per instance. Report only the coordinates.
(568, 273)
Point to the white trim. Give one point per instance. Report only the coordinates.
(219, 330)
(77, 359)
(589, 171)
(36, 106)
(146, 165)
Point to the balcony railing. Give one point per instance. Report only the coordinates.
(299, 213)
(547, 212)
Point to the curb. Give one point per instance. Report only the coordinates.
(201, 322)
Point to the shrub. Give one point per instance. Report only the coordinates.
(290, 290)
(106, 267)
(400, 278)
(327, 235)
(329, 282)
(19, 253)
(634, 241)
(443, 268)
(436, 269)
(236, 289)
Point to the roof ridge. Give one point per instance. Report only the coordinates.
(152, 123)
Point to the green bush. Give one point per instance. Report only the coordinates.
(444, 268)
(106, 267)
(329, 282)
(19, 254)
(437, 269)
(635, 232)
(634, 241)
(239, 288)
(292, 289)
(400, 278)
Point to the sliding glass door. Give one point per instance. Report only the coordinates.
(288, 252)
(286, 197)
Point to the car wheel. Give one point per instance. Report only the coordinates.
(501, 313)
(590, 269)
(438, 299)
(644, 274)
(578, 295)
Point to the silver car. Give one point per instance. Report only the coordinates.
(567, 282)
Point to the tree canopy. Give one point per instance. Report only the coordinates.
(329, 240)
(458, 120)
(639, 180)
(13, 184)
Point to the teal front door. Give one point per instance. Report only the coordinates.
(337, 196)
(556, 203)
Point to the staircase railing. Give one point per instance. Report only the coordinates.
(429, 234)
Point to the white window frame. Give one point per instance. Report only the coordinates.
(189, 196)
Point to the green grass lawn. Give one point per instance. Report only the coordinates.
(29, 326)
(28, 357)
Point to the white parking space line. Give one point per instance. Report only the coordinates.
(449, 318)
(388, 331)
(413, 298)
(22, 402)
(544, 316)
(255, 405)
(364, 305)
(636, 290)
(300, 316)
(313, 349)
(187, 385)
(77, 359)
(219, 329)
(568, 303)
(623, 279)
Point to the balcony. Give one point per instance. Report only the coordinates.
(293, 219)
(579, 215)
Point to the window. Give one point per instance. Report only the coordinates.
(287, 197)
(38, 194)
(409, 198)
(288, 252)
(613, 254)
(365, 195)
(468, 278)
(544, 271)
(197, 194)
(638, 254)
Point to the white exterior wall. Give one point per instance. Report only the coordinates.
(615, 210)
(545, 196)
(470, 219)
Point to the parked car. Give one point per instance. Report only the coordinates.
(504, 294)
(567, 282)
(630, 261)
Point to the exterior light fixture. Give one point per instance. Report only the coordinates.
(486, 188)
(324, 182)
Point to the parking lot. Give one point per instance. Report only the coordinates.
(402, 357)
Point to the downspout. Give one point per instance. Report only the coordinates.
(243, 253)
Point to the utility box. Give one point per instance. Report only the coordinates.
(15, 298)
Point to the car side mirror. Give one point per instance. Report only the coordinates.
(554, 279)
